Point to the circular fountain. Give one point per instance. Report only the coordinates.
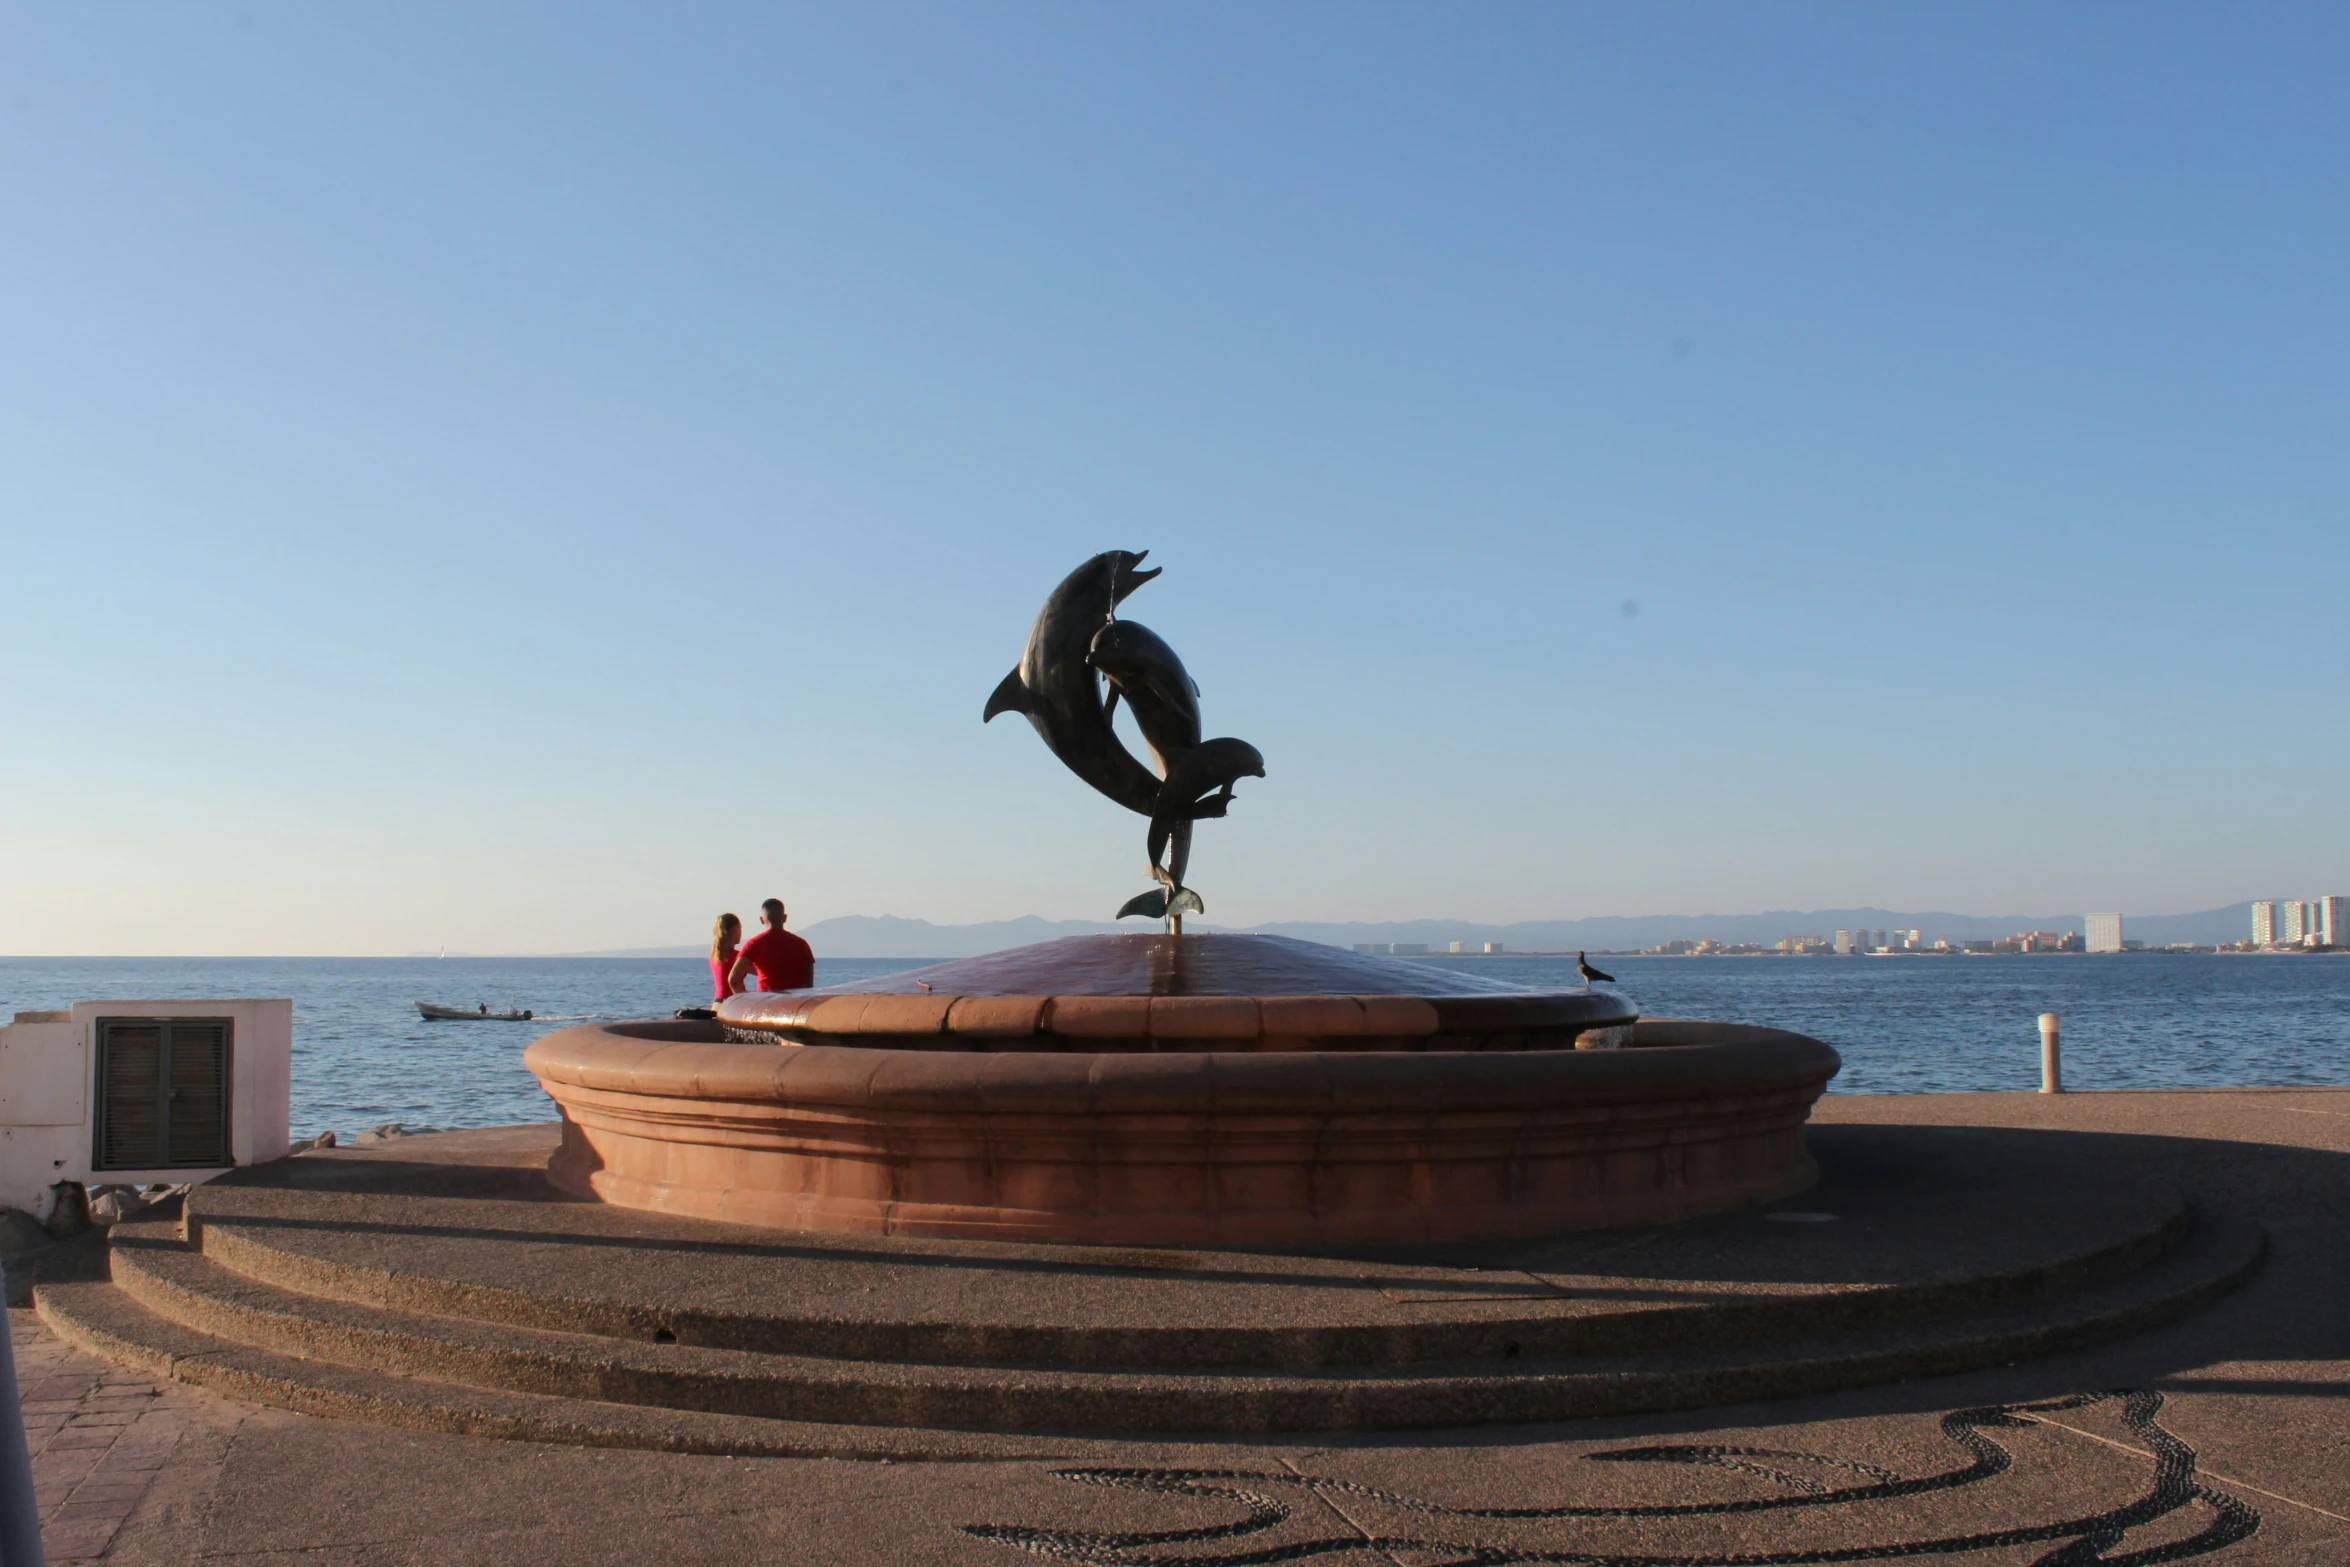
(1197, 1090)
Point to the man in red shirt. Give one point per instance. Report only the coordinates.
(781, 960)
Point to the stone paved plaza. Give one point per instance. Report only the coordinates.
(2222, 1437)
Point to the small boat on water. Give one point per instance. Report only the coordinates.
(478, 1014)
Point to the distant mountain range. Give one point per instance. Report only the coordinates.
(886, 936)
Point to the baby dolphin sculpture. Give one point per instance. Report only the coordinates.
(1078, 640)
(1199, 785)
(1164, 700)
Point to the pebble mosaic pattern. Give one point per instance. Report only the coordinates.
(2204, 1519)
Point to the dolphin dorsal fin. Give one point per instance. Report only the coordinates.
(1010, 697)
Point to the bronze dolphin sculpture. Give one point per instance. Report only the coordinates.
(1164, 700)
(1058, 690)
(1076, 642)
(1199, 785)
(1159, 691)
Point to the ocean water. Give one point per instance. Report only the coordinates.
(1927, 1025)
(362, 1055)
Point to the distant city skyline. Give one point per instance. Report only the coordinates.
(529, 479)
(894, 937)
(2103, 932)
(1777, 930)
(2294, 922)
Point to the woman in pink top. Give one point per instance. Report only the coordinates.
(724, 939)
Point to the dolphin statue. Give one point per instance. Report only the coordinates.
(1059, 691)
(1076, 643)
(1159, 691)
(1164, 700)
(1199, 785)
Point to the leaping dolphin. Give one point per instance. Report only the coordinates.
(1159, 691)
(1199, 785)
(1164, 699)
(1058, 690)
(1076, 642)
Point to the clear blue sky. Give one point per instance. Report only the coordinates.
(528, 477)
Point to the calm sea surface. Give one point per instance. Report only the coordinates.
(362, 1056)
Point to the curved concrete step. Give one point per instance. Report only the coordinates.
(1559, 1316)
(177, 1284)
(103, 1321)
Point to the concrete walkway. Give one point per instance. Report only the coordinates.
(99, 1437)
(2224, 1437)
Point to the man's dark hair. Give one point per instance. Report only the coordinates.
(773, 909)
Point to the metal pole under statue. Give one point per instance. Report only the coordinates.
(20, 1515)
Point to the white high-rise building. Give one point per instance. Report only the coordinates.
(2297, 922)
(2104, 933)
(2333, 921)
(2264, 923)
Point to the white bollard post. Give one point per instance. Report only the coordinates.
(2051, 1055)
(20, 1513)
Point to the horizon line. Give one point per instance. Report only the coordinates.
(655, 951)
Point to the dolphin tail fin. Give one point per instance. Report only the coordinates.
(1151, 904)
(1158, 903)
(1010, 697)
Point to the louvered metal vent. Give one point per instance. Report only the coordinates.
(130, 1079)
(197, 1119)
(162, 1093)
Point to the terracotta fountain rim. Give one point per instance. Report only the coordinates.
(1195, 1022)
(681, 1061)
(1186, 992)
(1218, 964)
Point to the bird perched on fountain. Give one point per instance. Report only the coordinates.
(1591, 976)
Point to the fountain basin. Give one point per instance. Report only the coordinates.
(1211, 993)
(1150, 1140)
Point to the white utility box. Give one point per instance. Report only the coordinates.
(140, 1093)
